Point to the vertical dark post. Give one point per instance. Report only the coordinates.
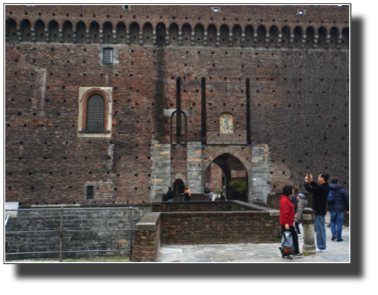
(61, 236)
(178, 113)
(248, 112)
(131, 233)
(203, 110)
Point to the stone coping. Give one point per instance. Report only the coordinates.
(83, 205)
(148, 222)
(272, 212)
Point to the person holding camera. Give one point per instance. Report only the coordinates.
(319, 205)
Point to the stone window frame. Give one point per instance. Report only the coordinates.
(84, 94)
(233, 125)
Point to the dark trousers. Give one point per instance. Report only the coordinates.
(295, 237)
(296, 225)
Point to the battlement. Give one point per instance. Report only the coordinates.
(297, 26)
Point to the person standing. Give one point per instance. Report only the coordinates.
(302, 203)
(169, 195)
(211, 195)
(294, 201)
(287, 216)
(336, 208)
(319, 205)
(222, 197)
(186, 195)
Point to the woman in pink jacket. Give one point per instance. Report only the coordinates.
(287, 215)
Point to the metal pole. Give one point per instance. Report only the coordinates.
(61, 236)
(131, 234)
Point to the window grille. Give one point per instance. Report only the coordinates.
(108, 55)
(95, 113)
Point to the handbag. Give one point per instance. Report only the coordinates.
(287, 245)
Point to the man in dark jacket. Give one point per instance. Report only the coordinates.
(336, 208)
(319, 205)
(169, 196)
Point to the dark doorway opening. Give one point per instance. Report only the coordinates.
(178, 187)
(233, 169)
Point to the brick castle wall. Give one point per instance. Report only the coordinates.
(299, 103)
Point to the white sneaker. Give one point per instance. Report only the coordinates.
(299, 235)
(318, 250)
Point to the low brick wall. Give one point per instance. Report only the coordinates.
(190, 206)
(193, 198)
(220, 227)
(147, 238)
(273, 201)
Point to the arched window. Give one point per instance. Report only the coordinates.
(108, 33)
(134, 33)
(173, 34)
(297, 37)
(186, 34)
(39, 31)
(261, 33)
(345, 39)
(211, 35)
(94, 30)
(273, 32)
(310, 38)
(11, 30)
(67, 32)
(334, 38)
(224, 35)
(322, 33)
(80, 33)
(198, 35)
(25, 31)
(285, 37)
(95, 109)
(54, 32)
(121, 33)
(248, 36)
(236, 36)
(160, 35)
(147, 34)
(95, 113)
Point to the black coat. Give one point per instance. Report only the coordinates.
(169, 195)
(319, 197)
(186, 197)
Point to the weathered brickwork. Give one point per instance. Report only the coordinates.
(219, 227)
(298, 103)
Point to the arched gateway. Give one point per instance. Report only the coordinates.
(228, 171)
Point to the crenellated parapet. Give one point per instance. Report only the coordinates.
(285, 28)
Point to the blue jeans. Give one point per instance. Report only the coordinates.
(337, 218)
(170, 200)
(320, 232)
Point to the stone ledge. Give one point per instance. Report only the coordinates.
(148, 222)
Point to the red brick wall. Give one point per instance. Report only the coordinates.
(219, 227)
(46, 162)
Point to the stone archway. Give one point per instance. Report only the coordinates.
(232, 170)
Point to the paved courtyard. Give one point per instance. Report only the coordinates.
(336, 252)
